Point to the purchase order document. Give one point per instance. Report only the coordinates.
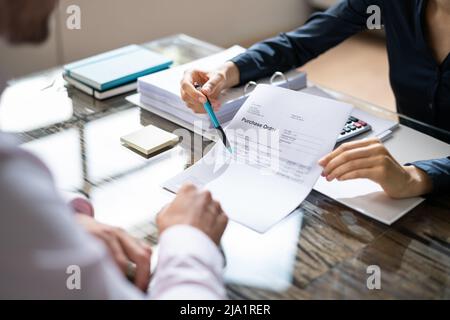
(277, 138)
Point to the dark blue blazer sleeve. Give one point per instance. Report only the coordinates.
(290, 50)
(439, 172)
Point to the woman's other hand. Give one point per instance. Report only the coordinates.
(371, 160)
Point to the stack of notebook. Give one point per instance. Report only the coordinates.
(114, 72)
(160, 93)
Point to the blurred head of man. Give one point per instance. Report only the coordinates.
(24, 21)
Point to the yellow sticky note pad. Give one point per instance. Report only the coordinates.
(149, 139)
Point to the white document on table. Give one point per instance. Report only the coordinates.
(277, 138)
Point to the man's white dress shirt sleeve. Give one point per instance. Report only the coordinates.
(189, 266)
(40, 243)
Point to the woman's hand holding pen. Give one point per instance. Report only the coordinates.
(371, 160)
(213, 82)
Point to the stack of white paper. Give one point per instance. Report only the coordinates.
(161, 91)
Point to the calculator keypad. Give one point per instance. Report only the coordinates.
(352, 128)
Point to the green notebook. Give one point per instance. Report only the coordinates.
(117, 67)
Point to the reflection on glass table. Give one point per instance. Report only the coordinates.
(136, 196)
(182, 48)
(49, 101)
(104, 155)
(35, 102)
(61, 152)
(262, 260)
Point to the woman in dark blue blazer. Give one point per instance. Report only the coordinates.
(418, 44)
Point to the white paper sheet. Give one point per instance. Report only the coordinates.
(277, 138)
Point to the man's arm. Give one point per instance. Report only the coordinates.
(290, 50)
(189, 266)
(41, 241)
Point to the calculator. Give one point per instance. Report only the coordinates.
(353, 128)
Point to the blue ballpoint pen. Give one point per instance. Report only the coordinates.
(209, 109)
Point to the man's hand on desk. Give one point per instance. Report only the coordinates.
(213, 83)
(370, 159)
(126, 251)
(196, 209)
